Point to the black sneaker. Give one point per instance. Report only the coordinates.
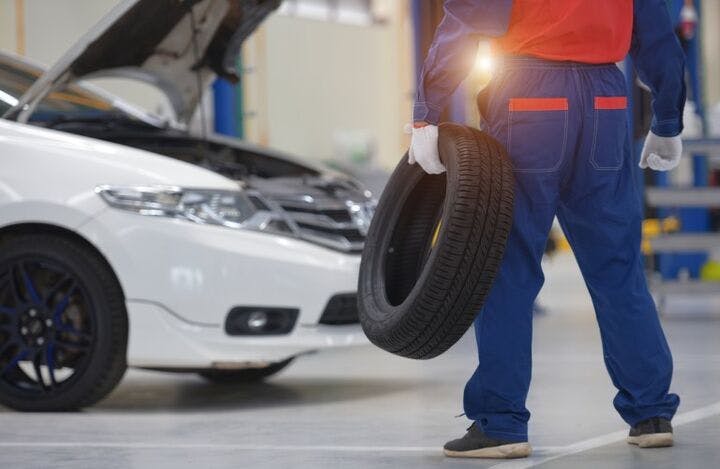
(475, 444)
(652, 433)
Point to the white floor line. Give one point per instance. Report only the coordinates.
(597, 357)
(234, 447)
(604, 440)
(544, 453)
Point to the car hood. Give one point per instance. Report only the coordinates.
(153, 41)
(74, 161)
(274, 173)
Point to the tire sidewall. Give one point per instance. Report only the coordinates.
(453, 283)
(372, 270)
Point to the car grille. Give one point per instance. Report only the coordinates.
(341, 309)
(338, 224)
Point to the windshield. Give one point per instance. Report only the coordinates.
(70, 102)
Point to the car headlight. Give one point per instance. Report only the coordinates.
(229, 208)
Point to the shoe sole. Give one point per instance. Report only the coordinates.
(511, 451)
(653, 440)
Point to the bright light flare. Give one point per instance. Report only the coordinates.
(484, 63)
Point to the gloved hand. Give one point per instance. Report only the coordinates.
(661, 153)
(424, 149)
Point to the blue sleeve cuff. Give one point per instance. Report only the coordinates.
(426, 112)
(667, 127)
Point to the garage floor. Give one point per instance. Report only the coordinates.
(366, 409)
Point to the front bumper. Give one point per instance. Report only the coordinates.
(181, 279)
(160, 340)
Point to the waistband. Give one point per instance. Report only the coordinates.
(524, 61)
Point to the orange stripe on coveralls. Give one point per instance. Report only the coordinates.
(610, 103)
(538, 104)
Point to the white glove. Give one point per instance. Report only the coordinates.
(661, 153)
(424, 149)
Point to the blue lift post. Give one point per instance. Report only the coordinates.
(224, 100)
(692, 220)
(228, 105)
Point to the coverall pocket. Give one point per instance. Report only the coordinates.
(609, 133)
(537, 133)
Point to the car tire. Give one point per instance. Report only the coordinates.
(244, 376)
(435, 246)
(58, 291)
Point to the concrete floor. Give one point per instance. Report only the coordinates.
(363, 408)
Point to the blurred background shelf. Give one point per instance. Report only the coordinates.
(683, 197)
(685, 242)
(685, 287)
(685, 261)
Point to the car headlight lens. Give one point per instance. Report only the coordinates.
(229, 208)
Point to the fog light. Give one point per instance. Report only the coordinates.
(257, 321)
(246, 320)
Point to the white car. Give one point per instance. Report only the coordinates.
(201, 255)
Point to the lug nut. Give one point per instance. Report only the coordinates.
(40, 341)
(48, 322)
(32, 313)
(24, 330)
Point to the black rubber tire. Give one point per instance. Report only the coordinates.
(244, 376)
(416, 300)
(107, 363)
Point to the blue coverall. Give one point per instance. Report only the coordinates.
(574, 162)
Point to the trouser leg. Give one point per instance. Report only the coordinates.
(529, 111)
(495, 394)
(601, 214)
(606, 242)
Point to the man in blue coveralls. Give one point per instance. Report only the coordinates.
(558, 104)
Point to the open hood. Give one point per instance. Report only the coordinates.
(153, 41)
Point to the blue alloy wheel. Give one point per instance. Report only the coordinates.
(63, 324)
(47, 332)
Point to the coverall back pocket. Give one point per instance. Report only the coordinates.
(609, 133)
(537, 133)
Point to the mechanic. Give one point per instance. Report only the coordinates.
(559, 103)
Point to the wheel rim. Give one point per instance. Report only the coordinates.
(47, 327)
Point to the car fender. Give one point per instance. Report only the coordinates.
(46, 212)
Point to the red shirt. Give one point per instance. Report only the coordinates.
(588, 31)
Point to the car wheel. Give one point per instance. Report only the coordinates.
(435, 246)
(246, 375)
(63, 324)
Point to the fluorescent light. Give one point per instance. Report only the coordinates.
(11, 100)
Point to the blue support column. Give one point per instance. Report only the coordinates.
(694, 60)
(224, 100)
(692, 220)
(696, 220)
